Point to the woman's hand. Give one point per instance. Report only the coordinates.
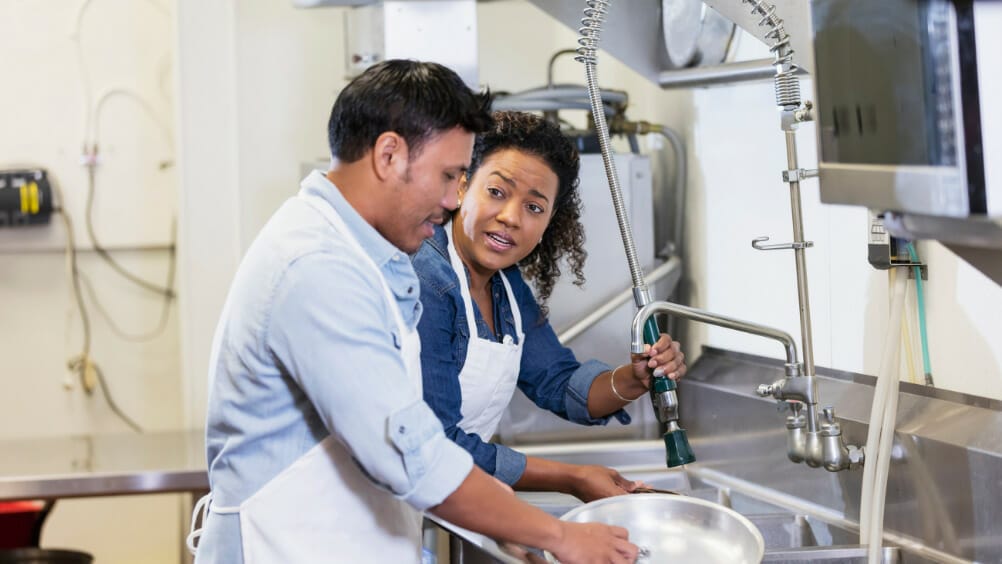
(589, 483)
(609, 392)
(665, 357)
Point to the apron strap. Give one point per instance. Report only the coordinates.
(337, 222)
(515, 311)
(464, 285)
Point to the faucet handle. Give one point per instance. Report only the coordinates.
(829, 426)
(828, 412)
(857, 456)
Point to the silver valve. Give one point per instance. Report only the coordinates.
(829, 426)
(666, 406)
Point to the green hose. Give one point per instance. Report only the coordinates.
(920, 298)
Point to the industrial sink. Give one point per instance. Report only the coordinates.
(789, 536)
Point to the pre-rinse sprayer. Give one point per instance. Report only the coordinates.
(663, 395)
(812, 437)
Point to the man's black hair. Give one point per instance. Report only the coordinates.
(414, 99)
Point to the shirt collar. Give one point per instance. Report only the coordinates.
(372, 242)
(440, 240)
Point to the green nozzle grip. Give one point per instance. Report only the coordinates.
(662, 384)
(677, 447)
(651, 331)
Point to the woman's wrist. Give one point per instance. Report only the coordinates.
(568, 477)
(625, 389)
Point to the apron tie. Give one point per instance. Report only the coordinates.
(201, 509)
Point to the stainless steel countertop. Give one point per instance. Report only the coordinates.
(103, 465)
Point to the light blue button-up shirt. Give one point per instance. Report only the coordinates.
(307, 346)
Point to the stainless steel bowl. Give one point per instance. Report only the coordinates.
(674, 528)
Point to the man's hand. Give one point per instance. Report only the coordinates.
(594, 543)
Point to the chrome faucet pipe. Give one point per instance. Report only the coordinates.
(800, 256)
(694, 314)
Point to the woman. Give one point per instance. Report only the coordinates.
(482, 331)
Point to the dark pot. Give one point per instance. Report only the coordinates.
(44, 556)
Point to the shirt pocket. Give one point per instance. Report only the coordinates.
(411, 431)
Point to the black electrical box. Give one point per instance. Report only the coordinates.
(25, 197)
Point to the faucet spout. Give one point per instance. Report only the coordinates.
(808, 440)
(694, 314)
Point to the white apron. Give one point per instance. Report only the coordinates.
(323, 508)
(490, 373)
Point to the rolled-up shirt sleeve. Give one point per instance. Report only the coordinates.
(331, 330)
(576, 398)
(550, 374)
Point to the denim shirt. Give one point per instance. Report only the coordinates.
(307, 346)
(549, 374)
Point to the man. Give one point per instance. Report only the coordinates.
(320, 447)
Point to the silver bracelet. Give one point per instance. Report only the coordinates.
(612, 383)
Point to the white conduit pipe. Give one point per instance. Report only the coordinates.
(880, 435)
(887, 427)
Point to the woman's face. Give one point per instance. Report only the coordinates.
(505, 209)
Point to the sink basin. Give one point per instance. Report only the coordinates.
(780, 529)
(789, 536)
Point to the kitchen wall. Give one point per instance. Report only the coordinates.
(105, 67)
(113, 62)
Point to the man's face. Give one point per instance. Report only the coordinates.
(428, 190)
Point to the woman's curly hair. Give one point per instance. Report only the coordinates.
(565, 234)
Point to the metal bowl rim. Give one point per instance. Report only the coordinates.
(756, 534)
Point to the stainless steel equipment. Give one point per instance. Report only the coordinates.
(908, 123)
(945, 464)
(900, 123)
(672, 528)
